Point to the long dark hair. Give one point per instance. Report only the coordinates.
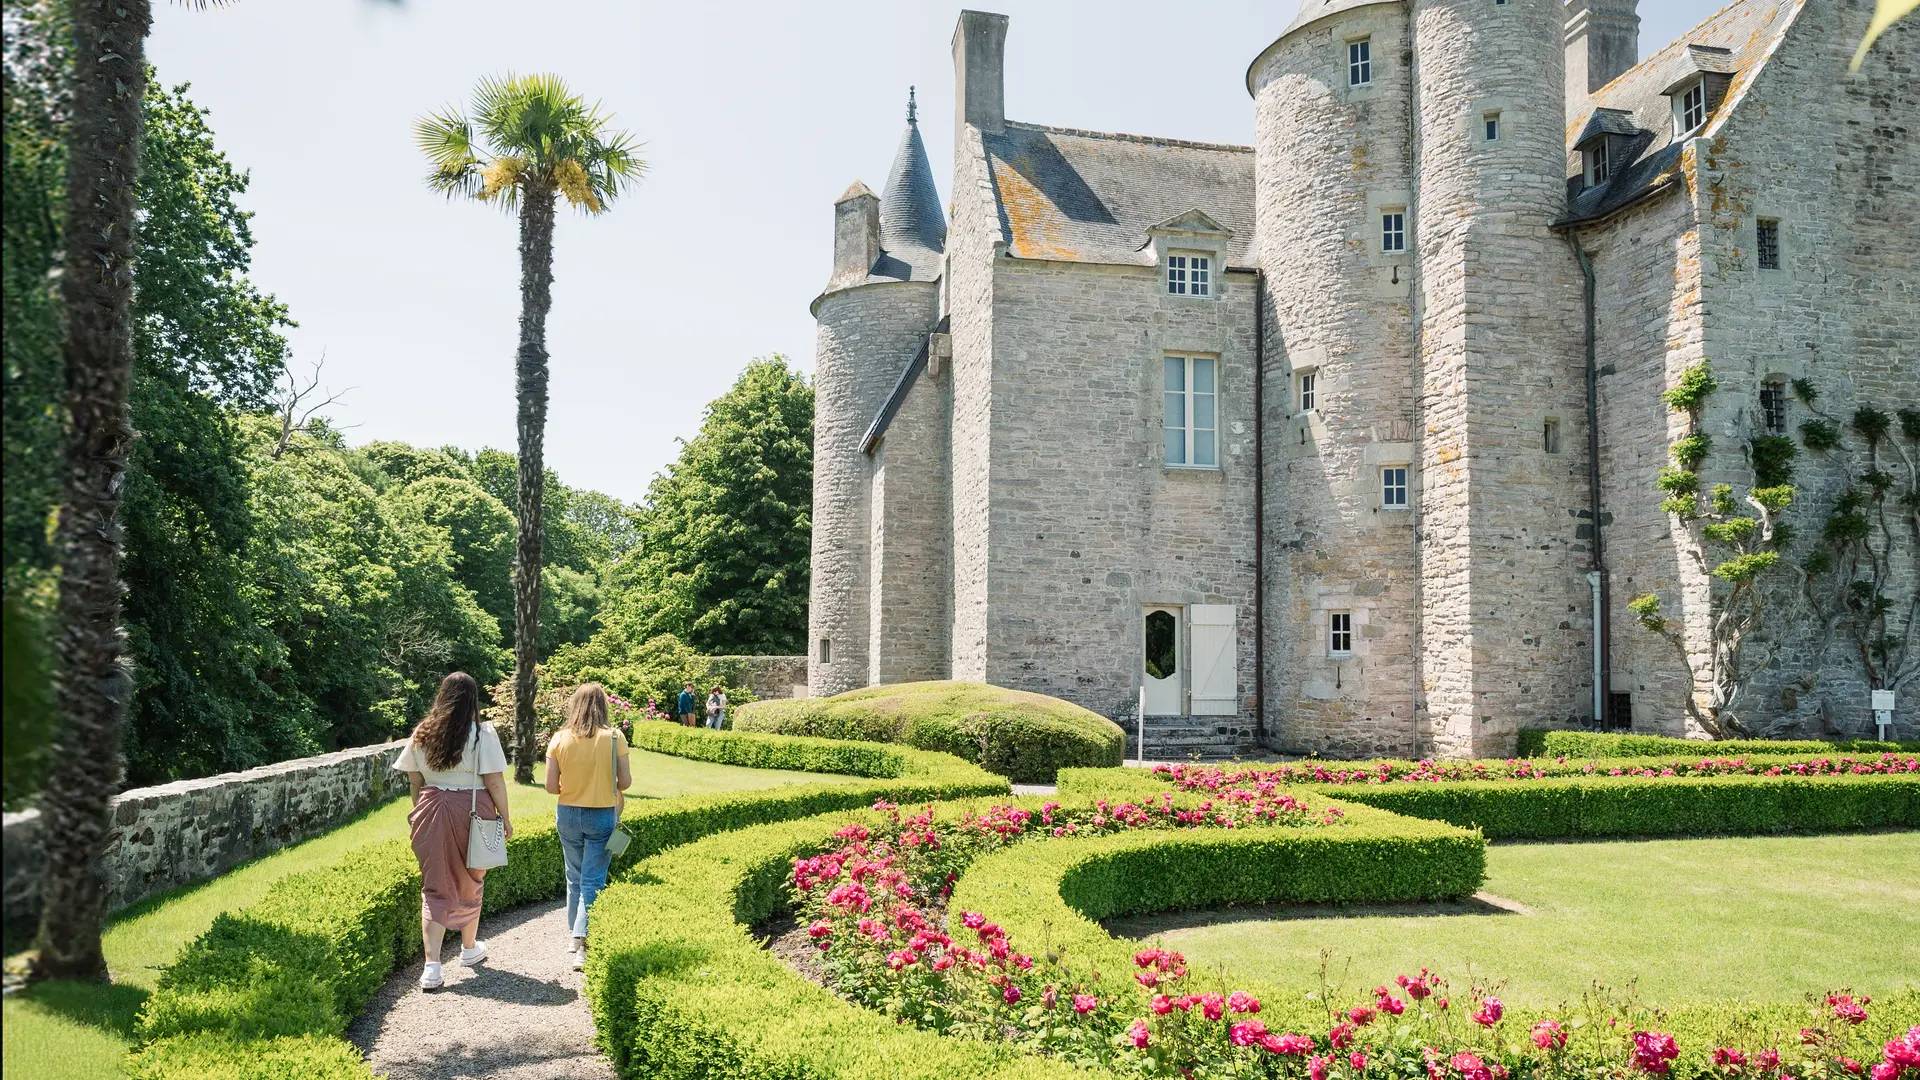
(449, 723)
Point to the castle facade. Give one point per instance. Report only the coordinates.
(1360, 439)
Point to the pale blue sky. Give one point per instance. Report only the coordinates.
(755, 117)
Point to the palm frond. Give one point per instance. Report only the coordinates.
(530, 132)
(447, 139)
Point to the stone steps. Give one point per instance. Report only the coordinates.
(1187, 738)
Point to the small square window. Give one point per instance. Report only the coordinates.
(1393, 230)
(1773, 407)
(1340, 633)
(1177, 274)
(1767, 243)
(1490, 124)
(1393, 487)
(1550, 436)
(1189, 275)
(1308, 396)
(1360, 62)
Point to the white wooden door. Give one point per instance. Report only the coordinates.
(1210, 629)
(1160, 651)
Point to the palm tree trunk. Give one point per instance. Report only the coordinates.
(109, 80)
(530, 384)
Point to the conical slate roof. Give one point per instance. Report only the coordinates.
(913, 227)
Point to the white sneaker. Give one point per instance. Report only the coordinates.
(578, 954)
(472, 957)
(431, 978)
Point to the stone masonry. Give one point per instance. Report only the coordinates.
(1435, 188)
(175, 834)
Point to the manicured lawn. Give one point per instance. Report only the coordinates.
(1756, 918)
(63, 1031)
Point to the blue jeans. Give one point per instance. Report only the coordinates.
(583, 840)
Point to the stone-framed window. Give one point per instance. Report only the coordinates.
(1360, 62)
(1490, 125)
(1190, 275)
(1339, 634)
(826, 651)
(1190, 389)
(1766, 243)
(1393, 487)
(1393, 229)
(1690, 107)
(1773, 406)
(1550, 435)
(1307, 390)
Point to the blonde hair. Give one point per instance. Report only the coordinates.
(587, 710)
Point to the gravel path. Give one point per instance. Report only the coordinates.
(518, 1016)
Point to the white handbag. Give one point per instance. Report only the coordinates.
(619, 838)
(486, 839)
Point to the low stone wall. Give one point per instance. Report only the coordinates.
(196, 829)
(773, 676)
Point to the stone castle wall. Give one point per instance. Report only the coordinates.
(912, 557)
(973, 243)
(1088, 523)
(191, 830)
(867, 334)
(1331, 159)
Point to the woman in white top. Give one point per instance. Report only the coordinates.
(716, 709)
(451, 754)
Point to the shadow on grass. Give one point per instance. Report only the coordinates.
(1142, 926)
(111, 1008)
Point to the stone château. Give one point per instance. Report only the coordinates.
(1352, 440)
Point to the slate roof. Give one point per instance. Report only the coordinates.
(1090, 196)
(1737, 40)
(913, 226)
(1608, 122)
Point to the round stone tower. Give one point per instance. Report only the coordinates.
(1336, 231)
(1498, 353)
(873, 318)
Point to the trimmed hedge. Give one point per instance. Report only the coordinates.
(1024, 737)
(1540, 742)
(1604, 806)
(680, 988)
(757, 751)
(285, 975)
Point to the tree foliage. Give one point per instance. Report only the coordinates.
(725, 536)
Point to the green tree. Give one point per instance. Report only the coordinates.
(537, 141)
(725, 535)
(480, 531)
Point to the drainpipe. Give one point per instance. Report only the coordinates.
(1260, 506)
(1597, 573)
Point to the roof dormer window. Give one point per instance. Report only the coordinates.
(1598, 166)
(1189, 275)
(1690, 107)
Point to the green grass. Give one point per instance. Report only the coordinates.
(63, 1031)
(1753, 918)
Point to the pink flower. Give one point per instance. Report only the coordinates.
(1148, 979)
(1287, 1044)
(1767, 1060)
(1490, 1012)
(1317, 1067)
(1048, 997)
(1393, 1005)
(1725, 1058)
(972, 920)
(1161, 1004)
(1341, 1036)
(820, 928)
(1012, 994)
(1022, 961)
(1847, 1009)
(1361, 1015)
(1548, 1036)
(1886, 1070)
(1470, 1067)
(1653, 1052)
(1213, 1005)
(1442, 1002)
(944, 962)
(1852, 1066)
(1138, 1032)
(1085, 1003)
(1358, 1060)
(901, 958)
(1242, 1002)
(1247, 1034)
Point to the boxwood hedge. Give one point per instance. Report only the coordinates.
(1024, 737)
(1539, 742)
(756, 751)
(275, 983)
(1616, 806)
(681, 989)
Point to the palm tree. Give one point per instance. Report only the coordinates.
(529, 141)
(94, 684)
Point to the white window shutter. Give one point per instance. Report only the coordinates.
(1215, 666)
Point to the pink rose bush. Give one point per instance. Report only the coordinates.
(1222, 782)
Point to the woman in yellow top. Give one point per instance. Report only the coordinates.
(587, 767)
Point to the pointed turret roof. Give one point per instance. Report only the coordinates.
(913, 227)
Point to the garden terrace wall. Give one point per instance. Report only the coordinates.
(771, 677)
(277, 981)
(171, 835)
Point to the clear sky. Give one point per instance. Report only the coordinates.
(756, 114)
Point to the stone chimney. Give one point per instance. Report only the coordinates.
(1603, 41)
(979, 73)
(856, 235)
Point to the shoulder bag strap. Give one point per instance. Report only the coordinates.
(613, 746)
(473, 809)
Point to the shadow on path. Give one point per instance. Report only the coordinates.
(1143, 926)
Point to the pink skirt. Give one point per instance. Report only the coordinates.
(438, 823)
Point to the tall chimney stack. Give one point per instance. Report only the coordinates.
(856, 235)
(979, 73)
(1603, 41)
